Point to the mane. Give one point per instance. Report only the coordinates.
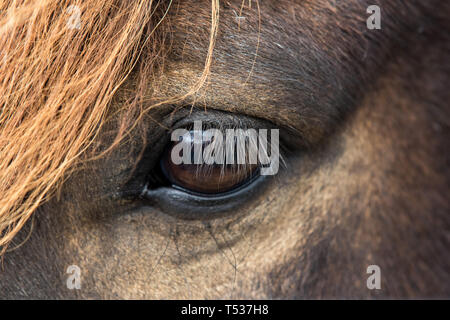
(56, 88)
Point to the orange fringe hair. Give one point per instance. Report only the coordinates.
(56, 88)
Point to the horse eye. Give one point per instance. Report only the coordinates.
(203, 178)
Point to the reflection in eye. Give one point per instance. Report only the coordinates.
(206, 178)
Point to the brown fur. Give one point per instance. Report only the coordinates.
(368, 183)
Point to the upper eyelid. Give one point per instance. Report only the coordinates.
(290, 140)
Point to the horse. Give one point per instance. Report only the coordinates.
(93, 207)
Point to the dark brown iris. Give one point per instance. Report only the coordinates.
(206, 178)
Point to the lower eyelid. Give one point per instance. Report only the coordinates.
(190, 206)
